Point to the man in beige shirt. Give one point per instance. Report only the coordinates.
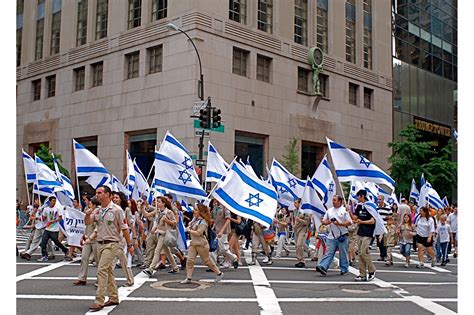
(302, 221)
(110, 225)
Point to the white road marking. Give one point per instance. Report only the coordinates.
(44, 269)
(430, 305)
(267, 300)
(381, 271)
(427, 265)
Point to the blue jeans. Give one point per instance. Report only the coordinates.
(438, 250)
(444, 250)
(331, 247)
(405, 249)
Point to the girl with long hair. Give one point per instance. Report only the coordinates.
(406, 232)
(425, 228)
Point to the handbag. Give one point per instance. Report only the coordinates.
(171, 238)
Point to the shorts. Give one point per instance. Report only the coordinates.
(424, 241)
(405, 249)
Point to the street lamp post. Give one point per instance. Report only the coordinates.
(171, 26)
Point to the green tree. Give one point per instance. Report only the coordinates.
(290, 160)
(46, 156)
(412, 157)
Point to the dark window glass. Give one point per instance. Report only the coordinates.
(251, 146)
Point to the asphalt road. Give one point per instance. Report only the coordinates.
(46, 288)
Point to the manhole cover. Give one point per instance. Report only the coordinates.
(177, 286)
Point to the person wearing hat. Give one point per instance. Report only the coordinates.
(366, 223)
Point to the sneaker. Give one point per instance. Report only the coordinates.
(371, 276)
(173, 271)
(265, 260)
(148, 272)
(251, 263)
(277, 256)
(360, 278)
(343, 273)
(186, 281)
(443, 263)
(235, 264)
(321, 270)
(25, 256)
(388, 263)
(407, 265)
(420, 266)
(432, 262)
(225, 265)
(300, 265)
(270, 262)
(219, 277)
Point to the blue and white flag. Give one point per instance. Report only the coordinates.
(455, 134)
(445, 201)
(182, 239)
(116, 185)
(311, 204)
(422, 180)
(141, 187)
(29, 166)
(175, 178)
(379, 223)
(429, 196)
(185, 206)
(174, 150)
(350, 165)
(390, 199)
(249, 167)
(64, 180)
(46, 180)
(130, 174)
(216, 166)
(247, 196)
(324, 182)
(89, 165)
(288, 186)
(370, 188)
(414, 192)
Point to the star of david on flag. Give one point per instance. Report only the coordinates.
(188, 163)
(184, 176)
(254, 197)
(288, 186)
(174, 150)
(364, 161)
(323, 182)
(292, 183)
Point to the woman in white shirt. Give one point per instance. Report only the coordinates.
(425, 229)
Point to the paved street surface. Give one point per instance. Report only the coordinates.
(46, 288)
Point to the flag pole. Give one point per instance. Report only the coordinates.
(335, 177)
(77, 176)
(26, 182)
(217, 184)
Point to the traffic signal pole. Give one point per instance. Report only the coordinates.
(201, 138)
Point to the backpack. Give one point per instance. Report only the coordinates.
(212, 239)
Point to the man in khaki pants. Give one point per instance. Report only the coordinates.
(365, 232)
(110, 223)
(300, 229)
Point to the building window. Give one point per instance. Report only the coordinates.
(19, 33)
(365, 154)
(101, 19)
(81, 35)
(141, 145)
(158, 10)
(239, 62)
(324, 85)
(36, 89)
(311, 155)
(20, 4)
(322, 25)
(350, 31)
(79, 77)
(155, 59)
(51, 85)
(301, 18)
(90, 143)
(251, 146)
(368, 98)
(55, 32)
(132, 63)
(264, 18)
(134, 13)
(263, 68)
(39, 39)
(303, 81)
(237, 10)
(353, 93)
(97, 70)
(368, 34)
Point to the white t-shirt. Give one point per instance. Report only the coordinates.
(39, 223)
(424, 227)
(52, 214)
(443, 232)
(453, 222)
(341, 215)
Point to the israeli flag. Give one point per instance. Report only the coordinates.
(46, 180)
(249, 167)
(182, 239)
(390, 199)
(324, 182)
(445, 201)
(174, 150)
(287, 185)
(216, 166)
(89, 165)
(370, 188)
(64, 180)
(422, 180)
(116, 185)
(176, 178)
(186, 207)
(29, 166)
(429, 196)
(379, 223)
(353, 166)
(247, 195)
(130, 174)
(414, 192)
(311, 204)
(141, 187)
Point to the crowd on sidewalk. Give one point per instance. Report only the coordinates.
(126, 233)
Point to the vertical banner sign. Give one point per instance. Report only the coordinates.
(74, 226)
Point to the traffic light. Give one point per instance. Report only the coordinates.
(204, 118)
(216, 118)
